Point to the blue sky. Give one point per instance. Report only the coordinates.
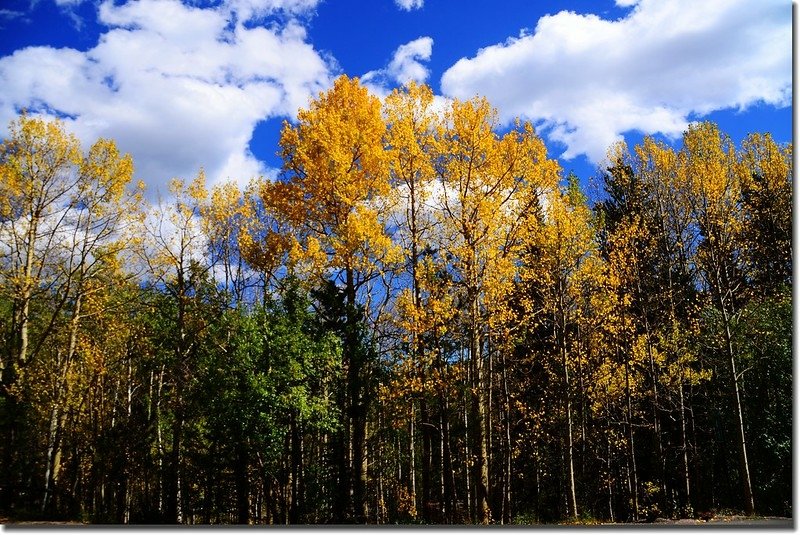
(185, 84)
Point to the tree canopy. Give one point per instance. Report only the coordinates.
(422, 319)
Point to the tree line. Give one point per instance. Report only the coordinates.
(423, 319)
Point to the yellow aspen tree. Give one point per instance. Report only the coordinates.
(227, 221)
(632, 350)
(632, 254)
(37, 166)
(767, 170)
(100, 395)
(173, 252)
(665, 212)
(267, 234)
(65, 220)
(488, 184)
(711, 170)
(411, 127)
(337, 169)
(100, 230)
(601, 326)
(561, 255)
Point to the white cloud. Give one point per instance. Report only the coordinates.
(405, 66)
(587, 80)
(250, 9)
(179, 87)
(408, 5)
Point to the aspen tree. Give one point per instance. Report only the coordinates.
(173, 254)
(564, 253)
(37, 165)
(63, 217)
(101, 227)
(767, 170)
(488, 186)
(337, 170)
(411, 127)
(709, 164)
(672, 245)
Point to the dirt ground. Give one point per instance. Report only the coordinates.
(758, 522)
(8, 522)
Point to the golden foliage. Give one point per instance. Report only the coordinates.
(338, 167)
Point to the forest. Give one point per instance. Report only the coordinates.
(422, 320)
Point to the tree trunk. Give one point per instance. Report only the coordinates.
(609, 476)
(631, 448)
(242, 480)
(58, 415)
(23, 319)
(412, 460)
(483, 514)
(427, 464)
(54, 436)
(469, 492)
(685, 449)
(722, 290)
(297, 471)
(358, 467)
(508, 447)
(173, 493)
(656, 420)
(340, 444)
(561, 336)
(447, 464)
(749, 505)
(160, 483)
(570, 446)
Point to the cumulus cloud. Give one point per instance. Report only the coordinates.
(179, 87)
(405, 66)
(586, 80)
(408, 5)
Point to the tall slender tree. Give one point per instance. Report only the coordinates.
(488, 185)
(709, 163)
(337, 172)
